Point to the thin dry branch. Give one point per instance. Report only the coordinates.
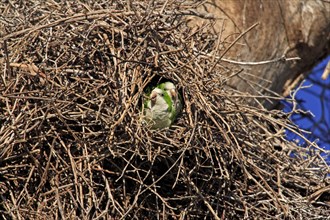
(72, 144)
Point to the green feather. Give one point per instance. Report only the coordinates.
(161, 86)
(145, 104)
(168, 101)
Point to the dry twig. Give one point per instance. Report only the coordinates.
(72, 144)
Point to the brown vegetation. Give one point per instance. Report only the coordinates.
(71, 139)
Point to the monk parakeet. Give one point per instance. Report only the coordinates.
(162, 106)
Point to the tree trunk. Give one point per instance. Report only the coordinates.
(295, 28)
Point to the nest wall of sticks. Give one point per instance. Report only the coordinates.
(72, 142)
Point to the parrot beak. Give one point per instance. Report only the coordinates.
(153, 97)
(173, 94)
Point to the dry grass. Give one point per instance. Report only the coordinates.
(71, 140)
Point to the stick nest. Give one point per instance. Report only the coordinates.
(72, 144)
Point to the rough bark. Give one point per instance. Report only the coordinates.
(295, 28)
